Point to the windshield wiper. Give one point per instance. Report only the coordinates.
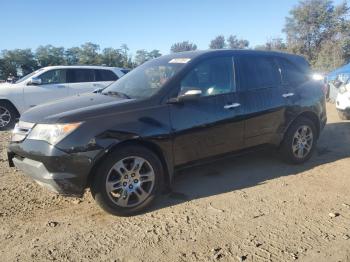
(115, 93)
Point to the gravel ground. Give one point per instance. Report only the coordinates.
(250, 208)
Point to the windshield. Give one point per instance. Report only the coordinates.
(145, 80)
(27, 76)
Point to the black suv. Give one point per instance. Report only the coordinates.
(126, 141)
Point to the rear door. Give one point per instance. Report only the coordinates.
(292, 79)
(81, 80)
(209, 125)
(53, 87)
(262, 98)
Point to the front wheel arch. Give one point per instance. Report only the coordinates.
(6, 101)
(167, 167)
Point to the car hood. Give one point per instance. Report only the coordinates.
(75, 109)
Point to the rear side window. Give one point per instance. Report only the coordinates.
(105, 75)
(291, 75)
(257, 72)
(57, 76)
(81, 75)
(125, 71)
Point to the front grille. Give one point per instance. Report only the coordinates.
(21, 130)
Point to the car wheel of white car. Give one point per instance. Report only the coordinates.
(7, 116)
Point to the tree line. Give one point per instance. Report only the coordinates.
(23, 61)
(315, 29)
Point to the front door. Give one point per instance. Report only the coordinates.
(53, 87)
(209, 125)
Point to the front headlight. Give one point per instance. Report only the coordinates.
(52, 133)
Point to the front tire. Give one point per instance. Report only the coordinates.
(300, 141)
(8, 116)
(128, 181)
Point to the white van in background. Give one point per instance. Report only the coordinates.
(51, 83)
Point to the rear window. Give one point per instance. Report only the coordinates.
(257, 72)
(105, 75)
(291, 75)
(80, 75)
(125, 71)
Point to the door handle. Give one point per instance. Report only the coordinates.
(288, 95)
(233, 105)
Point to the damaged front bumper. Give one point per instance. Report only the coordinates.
(58, 171)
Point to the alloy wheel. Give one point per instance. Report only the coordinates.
(302, 141)
(130, 181)
(5, 117)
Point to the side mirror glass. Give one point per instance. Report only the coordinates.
(34, 81)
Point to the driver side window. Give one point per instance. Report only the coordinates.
(57, 76)
(212, 77)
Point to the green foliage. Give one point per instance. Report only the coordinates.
(232, 42)
(143, 56)
(72, 55)
(49, 55)
(218, 42)
(276, 44)
(312, 26)
(183, 46)
(89, 54)
(20, 62)
(17, 62)
(154, 54)
(111, 57)
(127, 63)
(235, 43)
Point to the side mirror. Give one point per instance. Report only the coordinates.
(189, 95)
(34, 81)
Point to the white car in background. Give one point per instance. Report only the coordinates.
(343, 101)
(51, 83)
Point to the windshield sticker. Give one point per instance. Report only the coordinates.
(179, 60)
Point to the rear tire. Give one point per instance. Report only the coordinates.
(128, 181)
(300, 141)
(8, 115)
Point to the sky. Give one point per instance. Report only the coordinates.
(147, 24)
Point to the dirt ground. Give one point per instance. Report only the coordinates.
(250, 208)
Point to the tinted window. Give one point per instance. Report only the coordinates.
(105, 75)
(81, 75)
(53, 77)
(258, 72)
(125, 71)
(212, 77)
(291, 75)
